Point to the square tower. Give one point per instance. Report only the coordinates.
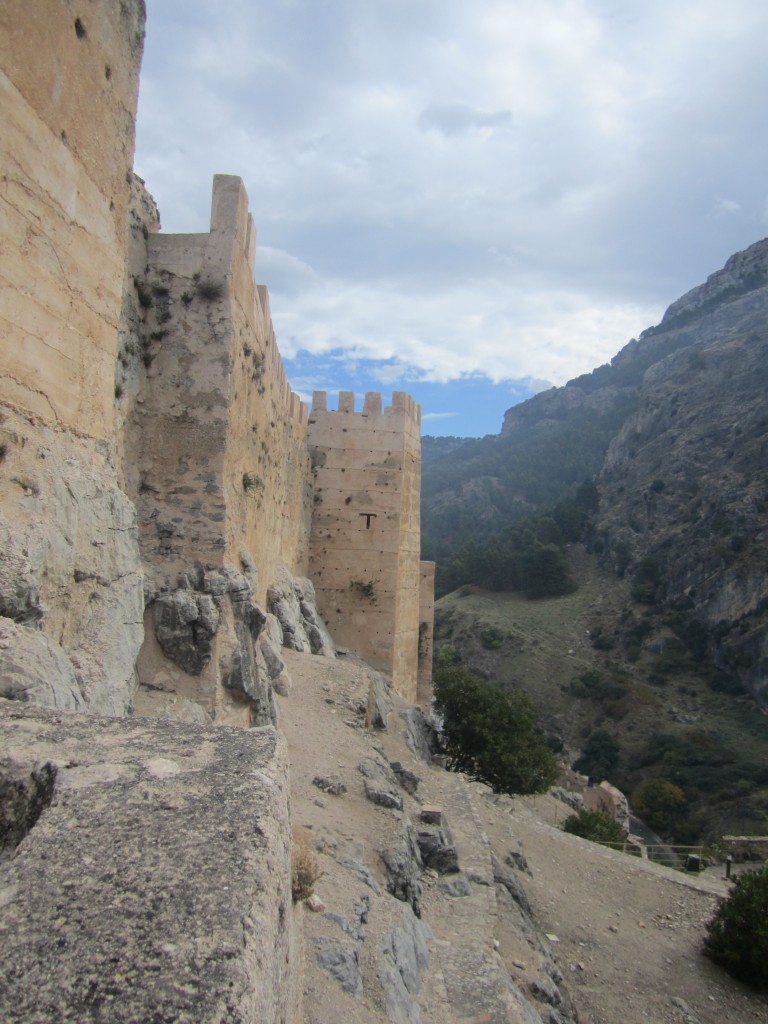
(365, 535)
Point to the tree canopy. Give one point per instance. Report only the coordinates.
(493, 735)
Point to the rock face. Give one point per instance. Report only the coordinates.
(674, 432)
(683, 484)
(35, 670)
(292, 602)
(112, 904)
(69, 565)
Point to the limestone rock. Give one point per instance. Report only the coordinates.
(157, 880)
(69, 557)
(342, 958)
(437, 849)
(292, 602)
(404, 867)
(405, 959)
(26, 789)
(380, 783)
(185, 624)
(33, 669)
(379, 701)
(407, 779)
(419, 734)
(279, 676)
(504, 875)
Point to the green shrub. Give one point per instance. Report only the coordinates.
(737, 936)
(493, 735)
(594, 825)
(251, 482)
(660, 803)
(599, 757)
(491, 638)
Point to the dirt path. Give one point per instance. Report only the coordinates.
(629, 932)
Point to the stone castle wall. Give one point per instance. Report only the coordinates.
(155, 476)
(69, 558)
(216, 458)
(364, 555)
(68, 93)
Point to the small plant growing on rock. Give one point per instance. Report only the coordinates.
(210, 290)
(143, 293)
(252, 482)
(737, 936)
(304, 868)
(366, 589)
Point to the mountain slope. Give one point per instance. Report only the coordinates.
(675, 433)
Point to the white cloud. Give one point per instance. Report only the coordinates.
(498, 187)
(725, 208)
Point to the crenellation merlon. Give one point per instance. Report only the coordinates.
(402, 405)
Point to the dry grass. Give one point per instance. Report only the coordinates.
(305, 870)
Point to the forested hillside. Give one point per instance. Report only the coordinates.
(658, 462)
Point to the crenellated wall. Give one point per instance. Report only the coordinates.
(364, 554)
(155, 466)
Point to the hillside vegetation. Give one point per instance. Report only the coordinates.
(645, 486)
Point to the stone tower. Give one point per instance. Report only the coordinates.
(365, 535)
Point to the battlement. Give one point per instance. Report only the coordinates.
(402, 404)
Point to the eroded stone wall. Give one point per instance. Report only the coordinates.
(217, 460)
(68, 93)
(70, 576)
(364, 554)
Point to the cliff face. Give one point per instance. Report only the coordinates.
(683, 486)
(675, 434)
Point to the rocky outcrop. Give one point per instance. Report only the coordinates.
(151, 877)
(292, 601)
(35, 670)
(70, 568)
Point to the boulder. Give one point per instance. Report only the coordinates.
(155, 884)
(35, 670)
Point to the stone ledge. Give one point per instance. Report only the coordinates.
(156, 883)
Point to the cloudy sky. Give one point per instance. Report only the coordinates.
(466, 201)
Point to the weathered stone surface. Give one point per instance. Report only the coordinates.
(404, 867)
(455, 885)
(405, 958)
(504, 875)
(380, 783)
(437, 849)
(185, 624)
(156, 884)
(342, 958)
(278, 674)
(407, 779)
(333, 786)
(380, 702)
(25, 791)
(69, 557)
(35, 670)
(292, 601)
(419, 735)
